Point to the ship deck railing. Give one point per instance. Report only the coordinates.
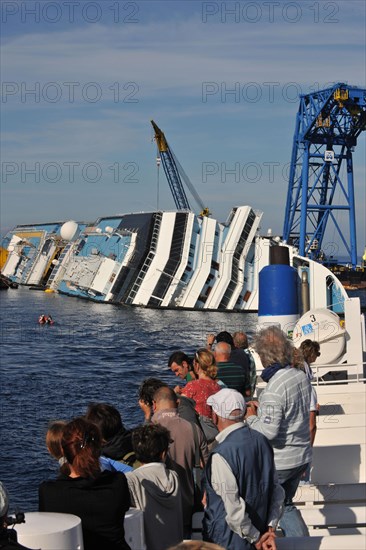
(334, 514)
(333, 504)
(355, 374)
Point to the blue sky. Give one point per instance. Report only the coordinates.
(81, 81)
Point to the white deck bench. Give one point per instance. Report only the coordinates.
(334, 509)
(331, 421)
(324, 524)
(343, 542)
(347, 493)
(328, 510)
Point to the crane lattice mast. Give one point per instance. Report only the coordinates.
(175, 173)
(328, 124)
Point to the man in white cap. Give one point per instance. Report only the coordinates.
(243, 496)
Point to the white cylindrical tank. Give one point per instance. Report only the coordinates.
(323, 326)
(51, 531)
(69, 230)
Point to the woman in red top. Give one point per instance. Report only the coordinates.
(204, 365)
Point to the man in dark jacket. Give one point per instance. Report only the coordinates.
(243, 496)
(117, 442)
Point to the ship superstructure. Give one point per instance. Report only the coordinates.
(162, 259)
(30, 253)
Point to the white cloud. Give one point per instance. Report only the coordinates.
(158, 56)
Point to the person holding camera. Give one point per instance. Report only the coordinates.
(8, 537)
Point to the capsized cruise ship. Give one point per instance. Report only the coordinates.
(162, 259)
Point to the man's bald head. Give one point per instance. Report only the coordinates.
(222, 351)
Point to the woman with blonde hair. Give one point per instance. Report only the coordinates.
(205, 367)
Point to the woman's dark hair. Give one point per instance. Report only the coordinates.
(149, 442)
(106, 417)
(54, 437)
(225, 336)
(178, 357)
(81, 445)
(308, 348)
(147, 389)
(53, 441)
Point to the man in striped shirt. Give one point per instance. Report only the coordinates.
(233, 376)
(283, 417)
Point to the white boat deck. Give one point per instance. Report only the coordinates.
(334, 504)
(340, 443)
(342, 542)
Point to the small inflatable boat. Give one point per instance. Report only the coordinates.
(46, 320)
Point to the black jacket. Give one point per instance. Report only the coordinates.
(8, 540)
(100, 503)
(239, 357)
(120, 447)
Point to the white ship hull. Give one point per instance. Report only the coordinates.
(160, 260)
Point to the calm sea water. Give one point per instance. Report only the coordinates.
(94, 352)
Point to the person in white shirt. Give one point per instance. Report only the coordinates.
(243, 496)
(155, 489)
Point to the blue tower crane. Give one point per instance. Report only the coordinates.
(175, 173)
(328, 124)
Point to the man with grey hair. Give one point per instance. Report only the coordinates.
(283, 417)
(243, 496)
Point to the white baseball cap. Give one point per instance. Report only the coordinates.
(225, 401)
(4, 500)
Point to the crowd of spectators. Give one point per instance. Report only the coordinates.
(251, 454)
